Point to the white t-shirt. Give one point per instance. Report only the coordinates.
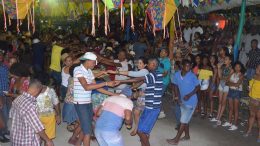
(81, 96)
(186, 34)
(196, 29)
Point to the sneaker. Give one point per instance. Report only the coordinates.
(213, 120)
(233, 128)
(227, 124)
(162, 115)
(218, 123)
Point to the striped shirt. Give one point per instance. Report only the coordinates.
(81, 96)
(153, 92)
(25, 121)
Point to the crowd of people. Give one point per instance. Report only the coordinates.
(103, 82)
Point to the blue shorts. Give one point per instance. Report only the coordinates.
(147, 120)
(56, 76)
(85, 114)
(234, 94)
(186, 113)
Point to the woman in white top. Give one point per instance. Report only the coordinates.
(65, 76)
(234, 95)
(142, 71)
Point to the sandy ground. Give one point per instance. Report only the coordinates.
(203, 133)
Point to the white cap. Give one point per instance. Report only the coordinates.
(89, 56)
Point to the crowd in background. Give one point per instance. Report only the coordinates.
(98, 79)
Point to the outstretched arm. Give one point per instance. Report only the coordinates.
(133, 80)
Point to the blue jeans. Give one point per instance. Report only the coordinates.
(250, 73)
(177, 111)
(85, 114)
(109, 138)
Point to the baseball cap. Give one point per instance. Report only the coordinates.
(89, 56)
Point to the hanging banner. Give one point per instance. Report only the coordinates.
(10, 8)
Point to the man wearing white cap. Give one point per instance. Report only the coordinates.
(84, 83)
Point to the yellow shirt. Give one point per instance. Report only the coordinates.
(205, 74)
(254, 90)
(55, 58)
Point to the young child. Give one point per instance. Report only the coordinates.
(234, 94)
(205, 78)
(224, 72)
(213, 86)
(195, 68)
(254, 105)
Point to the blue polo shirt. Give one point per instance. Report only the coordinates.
(165, 65)
(186, 85)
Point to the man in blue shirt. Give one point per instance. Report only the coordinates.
(164, 68)
(186, 86)
(153, 95)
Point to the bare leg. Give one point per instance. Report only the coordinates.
(236, 109)
(258, 122)
(223, 105)
(231, 109)
(144, 139)
(211, 101)
(199, 102)
(187, 132)
(206, 102)
(136, 120)
(220, 98)
(176, 140)
(73, 139)
(80, 139)
(86, 140)
(251, 121)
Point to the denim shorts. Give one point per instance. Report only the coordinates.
(223, 87)
(147, 120)
(109, 138)
(85, 114)
(186, 113)
(234, 94)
